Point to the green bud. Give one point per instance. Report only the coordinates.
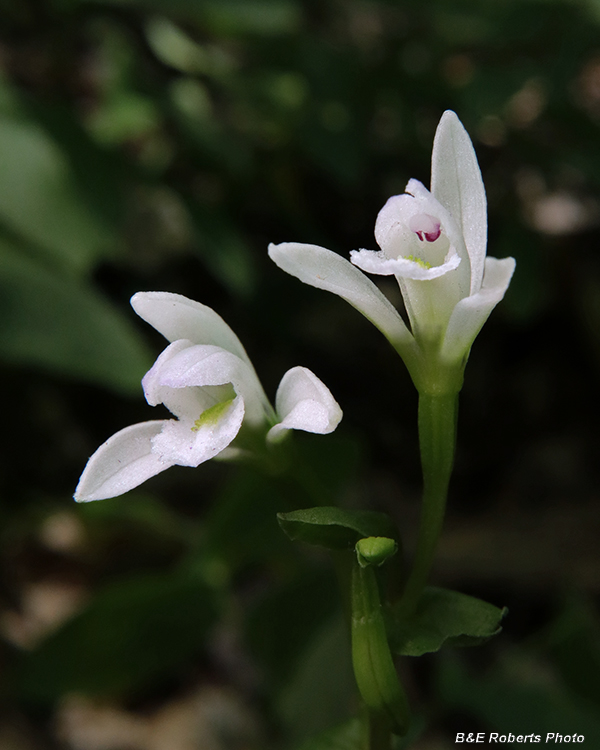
(375, 550)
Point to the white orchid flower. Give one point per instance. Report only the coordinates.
(206, 380)
(434, 243)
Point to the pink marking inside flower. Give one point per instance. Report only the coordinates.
(426, 227)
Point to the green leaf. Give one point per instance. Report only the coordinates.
(132, 634)
(335, 528)
(63, 325)
(443, 618)
(39, 198)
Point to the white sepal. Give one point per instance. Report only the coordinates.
(327, 270)
(456, 182)
(178, 317)
(123, 462)
(470, 313)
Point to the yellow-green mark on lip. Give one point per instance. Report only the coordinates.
(211, 416)
(418, 261)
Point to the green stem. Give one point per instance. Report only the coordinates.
(378, 735)
(374, 668)
(437, 439)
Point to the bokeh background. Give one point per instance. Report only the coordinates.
(161, 145)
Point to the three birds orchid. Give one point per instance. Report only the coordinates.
(433, 242)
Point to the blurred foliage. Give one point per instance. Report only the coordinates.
(154, 145)
(128, 636)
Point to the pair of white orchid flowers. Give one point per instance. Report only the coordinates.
(434, 243)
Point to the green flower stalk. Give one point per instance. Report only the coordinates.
(437, 438)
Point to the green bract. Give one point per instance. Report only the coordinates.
(335, 528)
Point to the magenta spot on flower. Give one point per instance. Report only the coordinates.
(426, 227)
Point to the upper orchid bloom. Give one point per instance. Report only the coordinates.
(206, 380)
(434, 243)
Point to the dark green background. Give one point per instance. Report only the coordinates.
(162, 145)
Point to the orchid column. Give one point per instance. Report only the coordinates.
(434, 243)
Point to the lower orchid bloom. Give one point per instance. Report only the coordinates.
(434, 243)
(206, 380)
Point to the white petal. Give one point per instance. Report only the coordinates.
(324, 269)
(399, 209)
(470, 313)
(457, 184)
(379, 263)
(153, 386)
(190, 443)
(178, 317)
(123, 462)
(304, 402)
(197, 366)
(182, 402)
